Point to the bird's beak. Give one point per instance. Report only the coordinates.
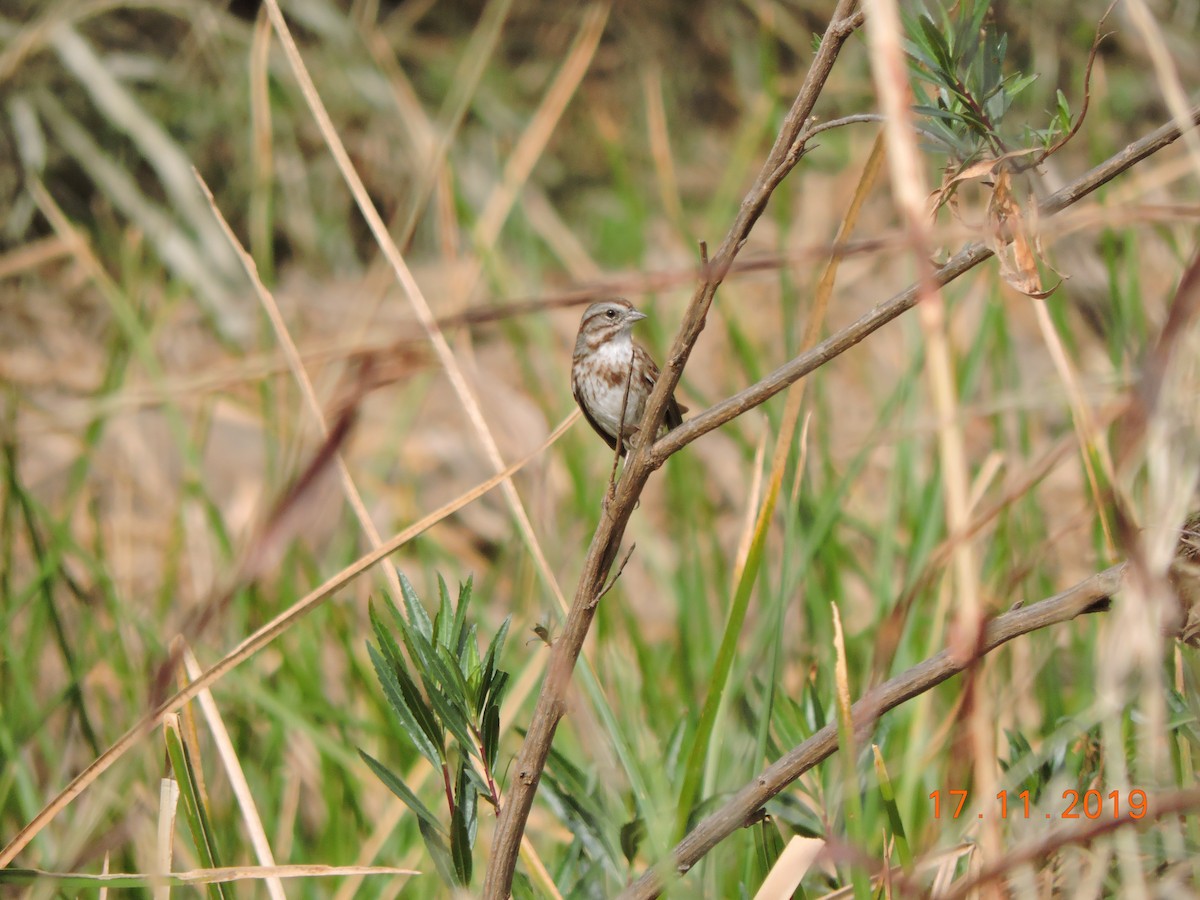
(634, 316)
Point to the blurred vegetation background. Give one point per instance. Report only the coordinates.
(526, 156)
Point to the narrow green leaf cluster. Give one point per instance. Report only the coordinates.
(447, 699)
(956, 64)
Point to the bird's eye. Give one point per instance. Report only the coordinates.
(612, 313)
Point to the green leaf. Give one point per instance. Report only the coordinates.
(462, 826)
(468, 799)
(921, 60)
(935, 44)
(496, 647)
(935, 113)
(577, 805)
(193, 803)
(468, 656)
(418, 618)
(480, 783)
(490, 684)
(443, 624)
(452, 711)
(387, 643)
(979, 11)
(418, 723)
(1017, 83)
(1063, 113)
(768, 844)
(394, 611)
(490, 734)
(397, 786)
(460, 614)
(444, 673)
(498, 686)
(888, 796)
(435, 843)
(632, 835)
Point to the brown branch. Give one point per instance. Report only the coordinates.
(551, 702)
(967, 258)
(747, 802)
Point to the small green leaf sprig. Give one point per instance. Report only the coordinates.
(449, 709)
(956, 66)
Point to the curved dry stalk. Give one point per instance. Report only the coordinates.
(745, 805)
(291, 354)
(404, 276)
(551, 703)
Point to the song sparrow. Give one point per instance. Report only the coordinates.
(600, 370)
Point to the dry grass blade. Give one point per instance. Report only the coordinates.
(267, 546)
(168, 807)
(32, 255)
(791, 867)
(296, 364)
(236, 778)
(224, 875)
(1089, 436)
(909, 189)
(1167, 72)
(439, 137)
(411, 289)
(178, 249)
(533, 140)
(431, 140)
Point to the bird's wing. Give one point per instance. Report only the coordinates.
(673, 417)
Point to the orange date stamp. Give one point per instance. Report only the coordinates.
(1091, 804)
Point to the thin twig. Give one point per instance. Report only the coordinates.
(1087, 95)
(612, 582)
(924, 676)
(621, 568)
(817, 127)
